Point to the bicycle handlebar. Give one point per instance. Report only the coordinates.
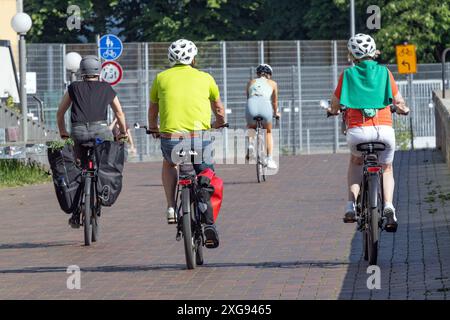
(147, 131)
(393, 109)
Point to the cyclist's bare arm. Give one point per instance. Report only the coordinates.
(117, 108)
(335, 108)
(400, 104)
(62, 109)
(248, 87)
(111, 126)
(274, 97)
(219, 111)
(153, 111)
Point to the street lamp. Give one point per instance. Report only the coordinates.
(72, 61)
(21, 23)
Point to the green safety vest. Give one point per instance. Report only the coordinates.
(366, 86)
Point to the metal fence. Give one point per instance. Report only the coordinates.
(306, 72)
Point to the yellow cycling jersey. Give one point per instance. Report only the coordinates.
(184, 96)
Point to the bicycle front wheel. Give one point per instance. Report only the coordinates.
(87, 217)
(188, 235)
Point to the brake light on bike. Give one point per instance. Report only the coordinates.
(91, 165)
(184, 182)
(374, 169)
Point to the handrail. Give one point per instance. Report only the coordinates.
(443, 71)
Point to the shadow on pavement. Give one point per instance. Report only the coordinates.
(29, 245)
(177, 267)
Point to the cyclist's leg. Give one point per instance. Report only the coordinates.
(169, 170)
(386, 157)
(354, 173)
(80, 134)
(269, 138)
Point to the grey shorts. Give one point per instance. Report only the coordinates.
(86, 132)
(258, 107)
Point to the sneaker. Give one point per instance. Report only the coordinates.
(171, 216)
(391, 220)
(212, 237)
(350, 213)
(270, 163)
(74, 221)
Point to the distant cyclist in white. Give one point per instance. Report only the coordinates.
(262, 95)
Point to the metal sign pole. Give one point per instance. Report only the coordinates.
(412, 104)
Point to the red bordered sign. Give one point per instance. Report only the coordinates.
(112, 72)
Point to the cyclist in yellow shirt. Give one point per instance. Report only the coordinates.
(183, 97)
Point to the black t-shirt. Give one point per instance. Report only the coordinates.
(90, 100)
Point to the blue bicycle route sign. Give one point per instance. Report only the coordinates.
(110, 47)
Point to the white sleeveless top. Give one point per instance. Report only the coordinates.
(261, 87)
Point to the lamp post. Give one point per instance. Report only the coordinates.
(352, 18)
(21, 23)
(72, 61)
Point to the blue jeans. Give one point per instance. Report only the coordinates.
(203, 147)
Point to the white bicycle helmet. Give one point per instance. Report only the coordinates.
(182, 51)
(361, 46)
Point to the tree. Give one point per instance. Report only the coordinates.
(50, 20)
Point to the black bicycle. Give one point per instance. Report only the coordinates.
(90, 206)
(369, 205)
(188, 215)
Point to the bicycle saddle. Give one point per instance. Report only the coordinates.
(258, 118)
(371, 147)
(89, 144)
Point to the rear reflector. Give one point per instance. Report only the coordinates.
(374, 169)
(91, 165)
(184, 182)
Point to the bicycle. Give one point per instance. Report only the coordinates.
(261, 166)
(188, 215)
(90, 206)
(369, 204)
(370, 200)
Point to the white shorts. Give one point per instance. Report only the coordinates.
(385, 134)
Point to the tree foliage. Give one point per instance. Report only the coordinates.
(425, 23)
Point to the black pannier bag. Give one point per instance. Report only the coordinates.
(66, 177)
(110, 156)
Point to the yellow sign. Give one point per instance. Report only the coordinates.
(406, 58)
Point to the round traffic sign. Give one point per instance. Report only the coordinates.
(112, 72)
(110, 47)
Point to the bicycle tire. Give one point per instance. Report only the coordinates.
(189, 244)
(373, 221)
(258, 156)
(87, 212)
(95, 224)
(199, 252)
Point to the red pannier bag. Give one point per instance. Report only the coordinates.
(217, 195)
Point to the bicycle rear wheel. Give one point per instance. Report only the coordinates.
(188, 235)
(199, 251)
(86, 211)
(95, 225)
(373, 220)
(259, 156)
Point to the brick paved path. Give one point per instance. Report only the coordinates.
(280, 240)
